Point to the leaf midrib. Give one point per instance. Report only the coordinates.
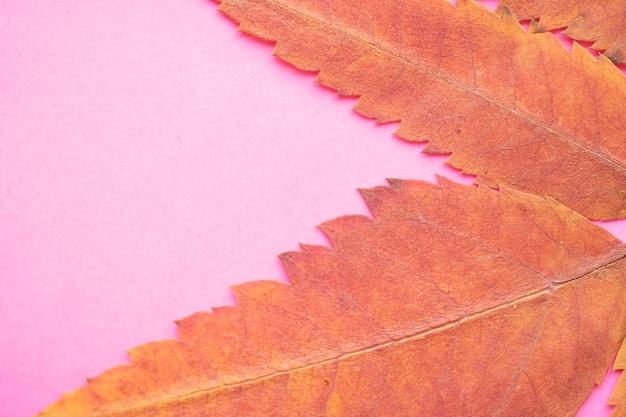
(607, 159)
(406, 339)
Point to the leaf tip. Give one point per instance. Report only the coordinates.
(288, 259)
(307, 248)
(535, 26)
(374, 196)
(187, 326)
(443, 181)
(508, 17)
(504, 11)
(396, 183)
(294, 263)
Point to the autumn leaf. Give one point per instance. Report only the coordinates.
(513, 108)
(618, 397)
(601, 22)
(452, 300)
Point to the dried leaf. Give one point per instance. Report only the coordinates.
(514, 108)
(618, 397)
(452, 301)
(601, 22)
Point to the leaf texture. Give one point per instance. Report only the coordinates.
(513, 108)
(451, 301)
(601, 22)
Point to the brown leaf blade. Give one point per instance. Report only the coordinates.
(515, 109)
(601, 22)
(451, 301)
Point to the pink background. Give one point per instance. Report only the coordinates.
(151, 156)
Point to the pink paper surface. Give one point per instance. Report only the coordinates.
(151, 156)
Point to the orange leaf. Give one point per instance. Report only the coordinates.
(601, 22)
(452, 301)
(514, 108)
(618, 397)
